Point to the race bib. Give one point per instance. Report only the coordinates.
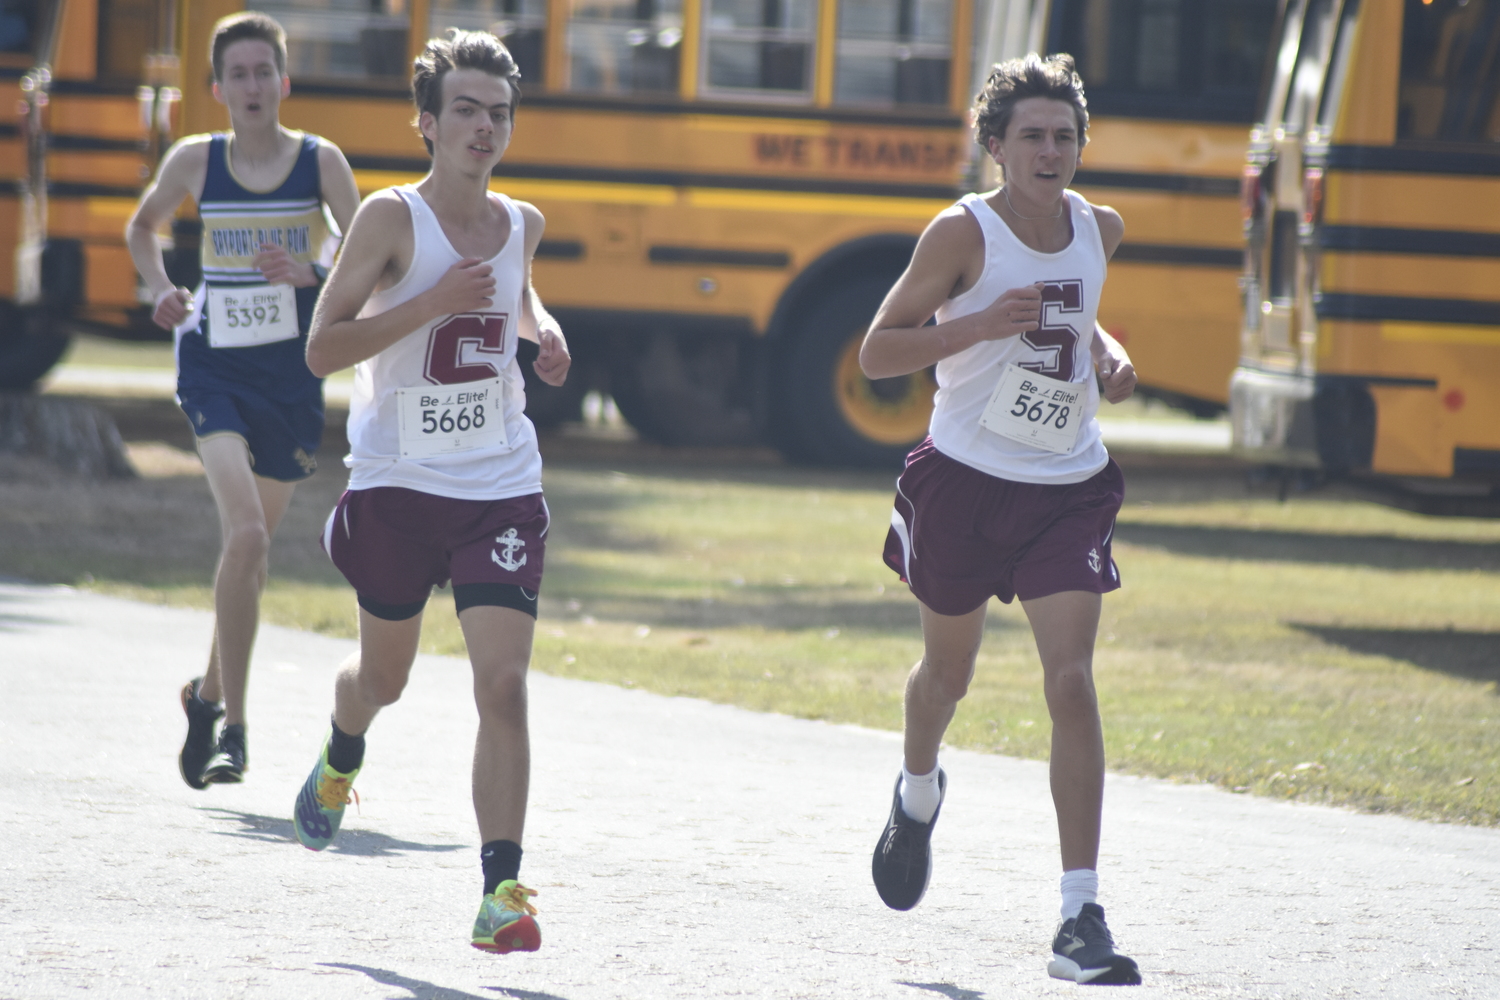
(452, 419)
(1036, 410)
(251, 315)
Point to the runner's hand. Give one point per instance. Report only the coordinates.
(552, 361)
(1017, 311)
(281, 268)
(172, 307)
(1116, 376)
(468, 286)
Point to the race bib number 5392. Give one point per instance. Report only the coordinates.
(1036, 410)
(452, 419)
(251, 315)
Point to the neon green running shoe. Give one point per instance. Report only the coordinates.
(506, 920)
(320, 804)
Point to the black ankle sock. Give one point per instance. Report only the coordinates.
(501, 860)
(345, 752)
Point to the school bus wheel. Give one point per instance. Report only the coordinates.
(828, 412)
(29, 345)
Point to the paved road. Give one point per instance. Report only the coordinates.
(682, 850)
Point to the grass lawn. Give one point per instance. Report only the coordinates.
(1319, 649)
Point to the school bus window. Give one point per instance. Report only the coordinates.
(129, 38)
(344, 39)
(520, 24)
(624, 46)
(17, 24)
(1307, 80)
(1450, 71)
(760, 48)
(1194, 59)
(893, 53)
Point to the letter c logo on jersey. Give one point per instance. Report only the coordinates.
(457, 349)
(512, 544)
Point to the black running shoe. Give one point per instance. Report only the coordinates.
(1084, 952)
(199, 745)
(228, 764)
(903, 857)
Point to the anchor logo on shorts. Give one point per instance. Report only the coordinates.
(511, 544)
(1093, 560)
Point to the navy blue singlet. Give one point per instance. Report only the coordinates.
(235, 222)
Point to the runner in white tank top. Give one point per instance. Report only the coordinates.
(428, 300)
(451, 349)
(1013, 494)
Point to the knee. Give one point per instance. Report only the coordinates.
(500, 691)
(947, 680)
(381, 689)
(248, 545)
(1070, 691)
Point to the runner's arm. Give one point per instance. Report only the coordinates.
(337, 339)
(898, 343)
(1116, 373)
(180, 176)
(340, 194)
(537, 324)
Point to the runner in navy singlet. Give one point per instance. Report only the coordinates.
(264, 194)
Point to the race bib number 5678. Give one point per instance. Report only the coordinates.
(1036, 410)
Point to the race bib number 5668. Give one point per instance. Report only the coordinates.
(1036, 410)
(452, 419)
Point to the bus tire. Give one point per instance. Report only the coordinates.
(825, 411)
(29, 347)
(682, 387)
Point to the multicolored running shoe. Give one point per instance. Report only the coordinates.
(320, 805)
(506, 920)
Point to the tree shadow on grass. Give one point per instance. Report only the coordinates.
(945, 989)
(1471, 655)
(1377, 551)
(17, 621)
(362, 843)
(420, 989)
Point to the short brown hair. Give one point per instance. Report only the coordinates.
(459, 49)
(1030, 76)
(237, 28)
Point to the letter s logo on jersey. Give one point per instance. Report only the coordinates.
(456, 348)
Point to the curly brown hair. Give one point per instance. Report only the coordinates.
(459, 49)
(1030, 76)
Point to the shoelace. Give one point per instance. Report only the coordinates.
(900, 848)
(1097, 931)
(515, 899)
(335, 793)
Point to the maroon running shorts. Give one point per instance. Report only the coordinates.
(394, 545)
(959, 535)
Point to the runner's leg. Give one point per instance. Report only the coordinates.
(1065, 626)
(499, 641)
(939, 681)
(375, 676)
(250, 507)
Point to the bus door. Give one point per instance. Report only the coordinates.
(92, 124)
(1371, 336)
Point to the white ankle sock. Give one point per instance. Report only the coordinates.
(920, 795)
(1079, 886)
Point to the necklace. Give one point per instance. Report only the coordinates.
(1029, 218)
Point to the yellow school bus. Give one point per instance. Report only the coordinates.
(731, 186)
(1172, 88)
(1371, 340)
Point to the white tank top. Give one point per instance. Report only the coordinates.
(461, 348)
(1060, 349)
